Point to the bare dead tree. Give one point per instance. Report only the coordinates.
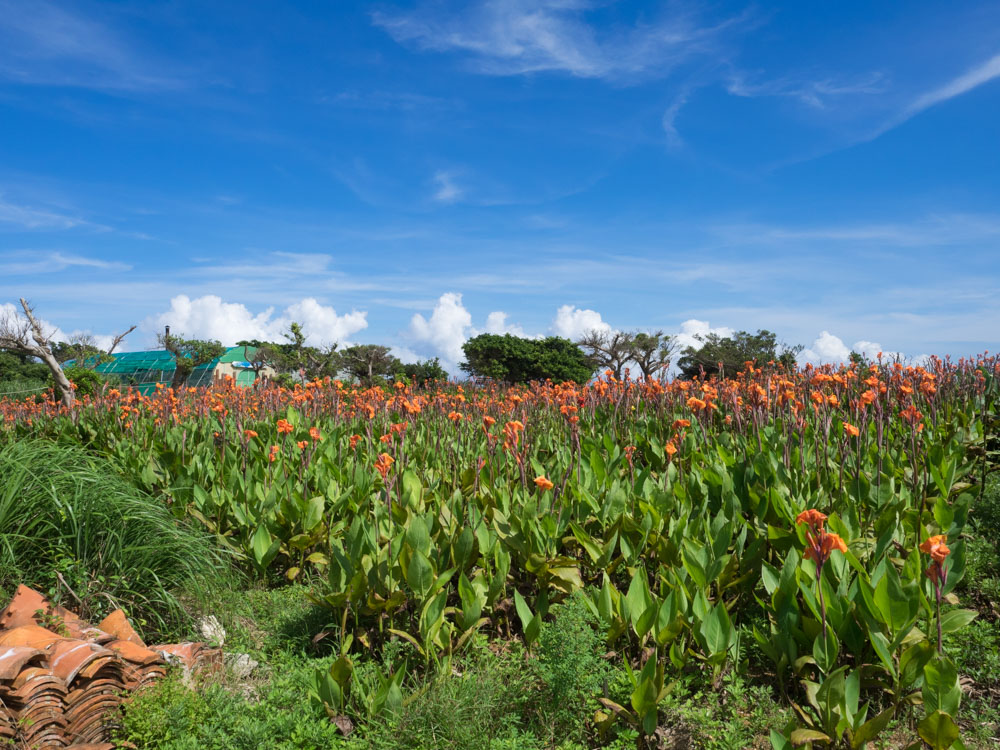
(652, 352)
(117, 340)
(608, 349)
(26, 336)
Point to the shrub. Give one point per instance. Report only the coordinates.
(570, 669)
(480, 704)
(171, 716)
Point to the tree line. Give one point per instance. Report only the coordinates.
(28, 354)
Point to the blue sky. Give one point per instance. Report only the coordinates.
(415, 173)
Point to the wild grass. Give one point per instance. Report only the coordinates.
(71, 527)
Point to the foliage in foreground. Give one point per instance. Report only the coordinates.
(496, 696)
(73, 528)
(682, 512)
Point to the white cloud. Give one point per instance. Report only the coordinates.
(446, 191)
(30, 217)
(971, 79)
(669, 120)
(691, 329)
(447, 329)
(527, 36)
(869, 348)
(404, 354)
(43, 44)
(572, 323)
(977, 76)
(830, 349)
(496, 322)
(826, 348)
(812, 93)
(29, 262)
(209, 317)
(450, 326)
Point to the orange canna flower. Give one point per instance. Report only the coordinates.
(488, 421)
(273, 455)
(249, 434)
(315, 434)
(383, 464)
(935, 547)
(678, 423)
(284, 426)
(821, 550)
(695, 404)
(851, 429)
(543, 484)
(354, 441)
(455, 416)
(811, 517)
(302, 444)
(670, 449)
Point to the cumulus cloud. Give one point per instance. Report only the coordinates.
(826, 348)
(209, 317)
(450, 326)
(572, 322)
(446, 330)
(496, 322)
(691, 329)
(830, 349)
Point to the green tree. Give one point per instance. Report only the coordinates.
(189, 354)
(366, 362)
(293, 355)
(20, 367)
(512, 359)
(733, 352)
(421, 371)
(79, 348)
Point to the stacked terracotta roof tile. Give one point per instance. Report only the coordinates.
(63, 681)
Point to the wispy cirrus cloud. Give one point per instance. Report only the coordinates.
(446, 190)
(978, 75)
(519, 37)
(34, 217)
(814, 93)
(29, 262)
(45, 44)
(935, 230)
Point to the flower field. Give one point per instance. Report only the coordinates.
(810, 524)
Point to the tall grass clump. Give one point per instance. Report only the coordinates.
(73, 528)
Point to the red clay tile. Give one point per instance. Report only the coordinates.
(14, 658)
(117, 624)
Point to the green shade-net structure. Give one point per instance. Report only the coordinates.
(143, 370)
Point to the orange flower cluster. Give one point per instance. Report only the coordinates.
(820, 542)
(543, 484)
(937, 548)
(383, 464)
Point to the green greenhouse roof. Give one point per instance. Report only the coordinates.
(145, 369)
